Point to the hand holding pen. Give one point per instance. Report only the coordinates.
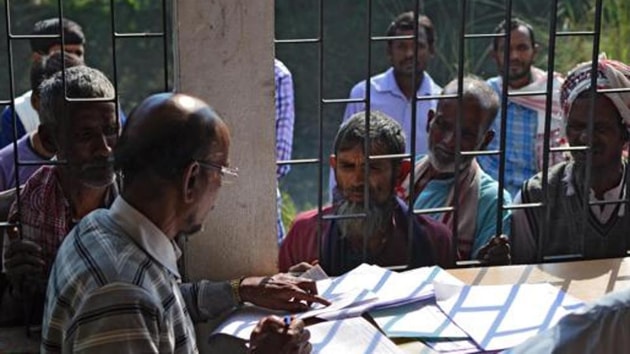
(280, 335)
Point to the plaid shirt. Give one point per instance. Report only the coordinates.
(523, 144)
(285, 119)
(115, 288)
(46, 215)
(285, 116)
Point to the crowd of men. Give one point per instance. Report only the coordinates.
(93, 255)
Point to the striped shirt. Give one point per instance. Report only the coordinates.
(115, 288)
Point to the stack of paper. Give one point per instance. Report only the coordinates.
(425, 303)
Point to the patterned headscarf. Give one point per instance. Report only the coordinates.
(611, 74)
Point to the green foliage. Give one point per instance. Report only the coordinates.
(139, 61)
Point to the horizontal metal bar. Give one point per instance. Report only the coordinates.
(139, 35)
(342, 217)
(95, 99)
(343, 100)
(297, 162)
(574, 33)
(433, 210)
(523, 206)
(297, 41)
(484, 35)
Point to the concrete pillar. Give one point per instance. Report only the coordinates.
(224, 55)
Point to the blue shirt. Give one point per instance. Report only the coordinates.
(437, 190)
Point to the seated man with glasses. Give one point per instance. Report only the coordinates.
(115, 286)
(381, 235)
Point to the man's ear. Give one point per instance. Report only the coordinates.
(430, 116)
(35, 102)
(191, 178)
(405, 169)
(47, 138)
(332, 161)
(487, 139)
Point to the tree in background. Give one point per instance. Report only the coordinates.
(139, 61)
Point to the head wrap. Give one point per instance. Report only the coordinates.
(611, 74)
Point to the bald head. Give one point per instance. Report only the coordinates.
(165, 133)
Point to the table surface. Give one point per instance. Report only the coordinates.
(586, 280)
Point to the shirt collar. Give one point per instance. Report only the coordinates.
(390, 84)
(146, 235)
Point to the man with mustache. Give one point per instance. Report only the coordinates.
(525, 115)
(380, 236)
(604, 231)
(392, 91)
(434, 184)
(115, 286)
(55, 198)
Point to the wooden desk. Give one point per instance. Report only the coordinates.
(586, 280)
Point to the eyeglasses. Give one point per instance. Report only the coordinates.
(228, 174)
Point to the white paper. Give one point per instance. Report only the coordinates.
(350, 336)
(243, 321)
(391, 288)
(422, 319)
(501, 316)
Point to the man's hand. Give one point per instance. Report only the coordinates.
(495, 252)
(280, 292)
(273, 335)
(23, 258)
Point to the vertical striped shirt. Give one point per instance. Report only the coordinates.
(115, 288)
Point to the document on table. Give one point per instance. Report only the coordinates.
(502, 316)
(243, 321)
(390, 288)
(420, 319)
(350, 336)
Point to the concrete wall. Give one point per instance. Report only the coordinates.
(224, 55)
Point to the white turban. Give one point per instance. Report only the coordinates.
(611, 74)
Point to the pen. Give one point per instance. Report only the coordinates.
(287, 323)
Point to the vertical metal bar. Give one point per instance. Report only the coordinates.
(504, 105)
(412, 138)
(551, 57)
(164, 44)
(366, 142)
(114, 64)
(320, 146)
(458, 125)
(7, 10)
(589, 151)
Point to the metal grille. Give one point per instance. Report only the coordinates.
(320, 39)
(129, 41)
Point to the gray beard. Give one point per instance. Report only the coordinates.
(378, 219)
(448, 167)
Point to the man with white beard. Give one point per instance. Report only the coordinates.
(434, 178)
(373, 230)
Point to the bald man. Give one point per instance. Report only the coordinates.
(115, 286)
